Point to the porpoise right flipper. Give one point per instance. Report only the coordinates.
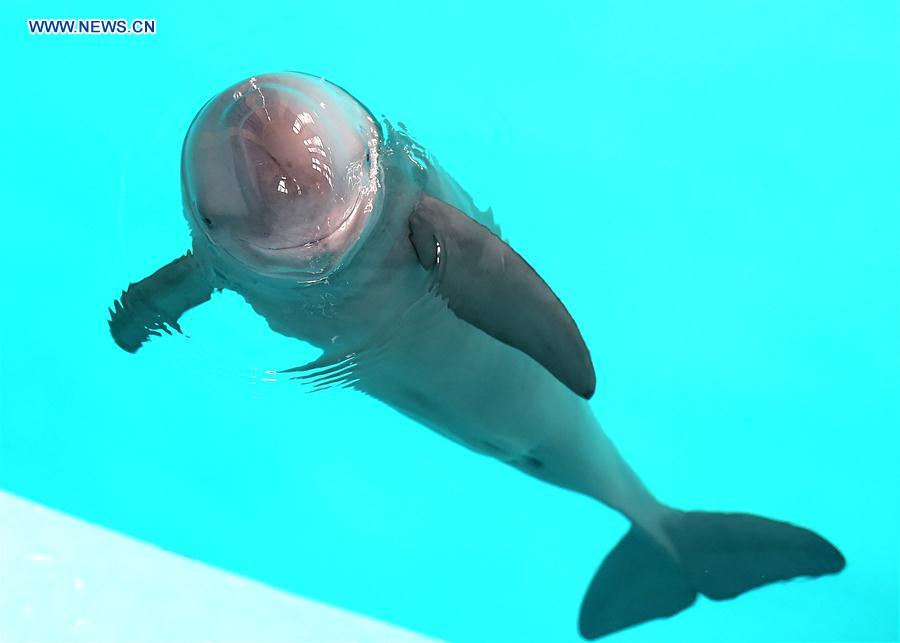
(487, 284)
(154, 304)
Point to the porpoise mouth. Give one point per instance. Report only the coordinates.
(302, 244)
(305, 244)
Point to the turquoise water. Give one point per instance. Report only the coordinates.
(712, 188)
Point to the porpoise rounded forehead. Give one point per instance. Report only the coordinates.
(276, 165)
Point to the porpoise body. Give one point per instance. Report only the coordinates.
(344, 232)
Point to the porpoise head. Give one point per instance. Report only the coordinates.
(280, 173)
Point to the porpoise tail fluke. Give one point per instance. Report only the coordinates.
(719, 555)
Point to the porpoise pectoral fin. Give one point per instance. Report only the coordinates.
(487, 284)
(156, 302)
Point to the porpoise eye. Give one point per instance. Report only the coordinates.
(207, 221)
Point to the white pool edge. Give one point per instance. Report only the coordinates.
(63, 579)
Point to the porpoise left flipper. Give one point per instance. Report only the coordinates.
(487, 284)
(154, 304)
